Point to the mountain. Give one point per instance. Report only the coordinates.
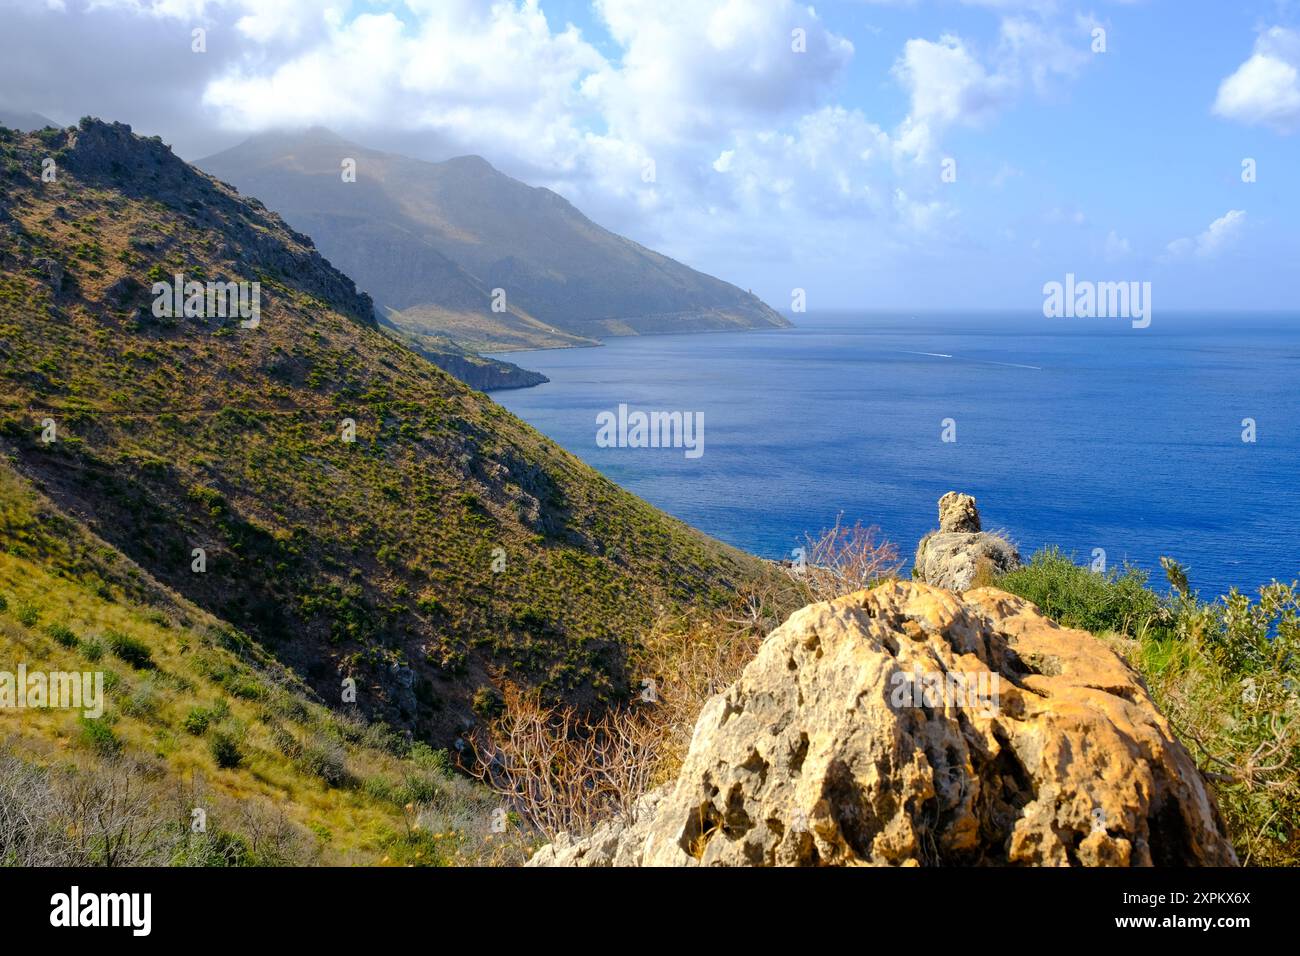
(25, 121)
(305, 478)
(431, 241)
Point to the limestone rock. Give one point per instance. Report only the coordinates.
(956, 555)
(908, 725)
(957, 512)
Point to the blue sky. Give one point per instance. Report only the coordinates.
(694, 127)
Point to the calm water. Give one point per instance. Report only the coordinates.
(1081, 433)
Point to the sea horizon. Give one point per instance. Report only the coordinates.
(1083, 434)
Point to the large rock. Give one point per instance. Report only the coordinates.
(960, 554)
(1041, 748)
(957, 512)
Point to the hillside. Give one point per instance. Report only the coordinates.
(446, 549)
(477, 371)
(432, 240)
(196, 716)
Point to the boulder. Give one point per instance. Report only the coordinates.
(957, 512)
(909, 725)
(960, 554)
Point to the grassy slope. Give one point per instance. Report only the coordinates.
(311, 786)
(371, 559)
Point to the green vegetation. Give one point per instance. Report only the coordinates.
(240, 558)
(1117, 600)
(374, 559)
(120, 788)
(128, 649)
(1226, 673)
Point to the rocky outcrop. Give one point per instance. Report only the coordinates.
(908, 725)
(960, 554)
(957, 512)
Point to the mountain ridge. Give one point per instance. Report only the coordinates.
(462, 231)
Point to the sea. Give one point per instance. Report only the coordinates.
(1110, 442)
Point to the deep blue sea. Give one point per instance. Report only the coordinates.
(1083, 433)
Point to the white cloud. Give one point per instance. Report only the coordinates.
(950, 86)
(1116, 247)
(947, 86)
(1265, 90)
(445, 73)
(756, 159)
(690, 68)
(1218, 236)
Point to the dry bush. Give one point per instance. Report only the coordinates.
(689, 661)
(563, 771)
(843, 559)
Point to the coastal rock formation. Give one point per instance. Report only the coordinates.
(908, 725)
(959, 552)
(957, 512)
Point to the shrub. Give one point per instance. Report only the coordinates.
(130, 650)
(488, 702)
(1224, 674)
(843, 559)
(219, 848)
(99, 736)
(564, 770)
(225, 750)
(27, 614)
(142, 701)
(324, 758)
(92, 650)
(197, 721)
(1117, 601)
(426, 758)
(62, 634)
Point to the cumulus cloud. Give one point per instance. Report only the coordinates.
(1265, 90)
(731, 105)
(445, 73)
(949, 85)
(1219, 236)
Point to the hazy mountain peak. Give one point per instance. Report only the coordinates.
(432, 241)
(24, 121)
